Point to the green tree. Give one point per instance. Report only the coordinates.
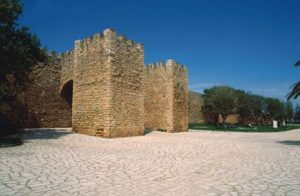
(259, 108)
(244, 108)
(275, 109)
(251, 108)
(295, 92)
(19, 49)
(221, 100)
(289, 111)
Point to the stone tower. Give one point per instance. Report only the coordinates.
(102, 88)
(108, 96)
(112, 93)
(166, 97)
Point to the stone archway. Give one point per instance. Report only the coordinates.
(67, 92)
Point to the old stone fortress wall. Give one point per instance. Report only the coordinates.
(105, 89)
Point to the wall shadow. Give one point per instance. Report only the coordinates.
(147, 131)
(67, 92)
(14, 114)
(45, 133)
(290, 142)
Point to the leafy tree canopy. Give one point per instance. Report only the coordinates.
(19, 49)
(289, 111)
(224, 100)
(275, 108)
(295, 88)
(221, 100)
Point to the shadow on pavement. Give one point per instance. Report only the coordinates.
(51, 133)
(290, 142)
(147, 131)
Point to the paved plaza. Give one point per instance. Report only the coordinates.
(59, 162)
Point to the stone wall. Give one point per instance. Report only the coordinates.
(231, 119)
(91, 90)
(67, 67)
(103, 88)
(108, 94)
(127, 92)
(195, 103)
(39, 105)
(158, 97)
(166, 97)
(180, 97)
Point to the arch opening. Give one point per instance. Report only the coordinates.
(67, 92)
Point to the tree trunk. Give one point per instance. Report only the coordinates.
(223, 120)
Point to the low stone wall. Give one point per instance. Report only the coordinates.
(195, 110)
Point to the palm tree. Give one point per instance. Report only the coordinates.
(295, 87)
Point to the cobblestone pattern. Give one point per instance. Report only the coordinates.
(195, 163)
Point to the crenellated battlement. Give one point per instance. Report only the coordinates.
(169, 65)
(110, 36)
(115, 94)
(102, 87)
(67, 56)
(67, 67)
(155, 66)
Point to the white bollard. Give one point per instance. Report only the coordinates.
(275, 124)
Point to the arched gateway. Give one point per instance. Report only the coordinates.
(113, 94)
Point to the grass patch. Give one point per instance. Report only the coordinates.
(240, 128)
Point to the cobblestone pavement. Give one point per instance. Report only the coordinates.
(58, 162)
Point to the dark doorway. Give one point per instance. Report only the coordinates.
(67, 92)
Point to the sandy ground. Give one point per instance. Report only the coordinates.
(59, 162)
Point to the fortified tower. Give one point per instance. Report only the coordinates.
(166, 97)
(112, 93)
(102, 88)
(108, 96)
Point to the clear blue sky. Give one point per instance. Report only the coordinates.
(247, 44)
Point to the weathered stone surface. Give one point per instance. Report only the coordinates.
(195, 111)
(108, 96)
(166, 97)
(102, 88)
(40, 104)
